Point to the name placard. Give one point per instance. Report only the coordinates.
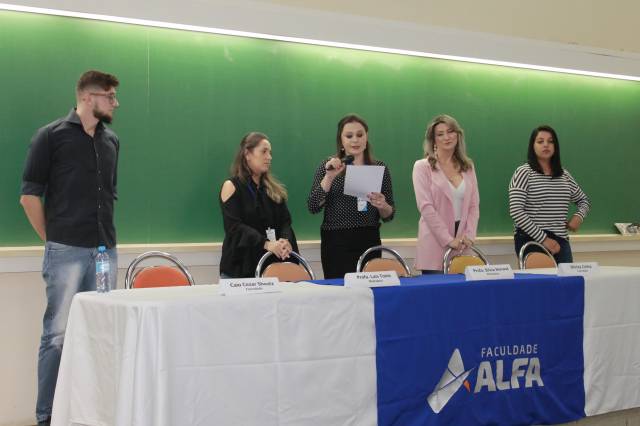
(488, 272)
(371, 279)
(244, 286)
(583, 268)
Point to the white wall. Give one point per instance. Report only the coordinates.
(586, 35)
(591, 23)
(583, 34)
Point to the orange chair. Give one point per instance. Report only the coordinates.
(535, 259)
(285, 271)
(456, 263)
(157, 276)
(383, 264)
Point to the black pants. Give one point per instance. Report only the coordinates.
(341, 249)
(563, 256)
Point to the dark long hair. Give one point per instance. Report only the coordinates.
(353, 118)
(532, 158)
(240, 169)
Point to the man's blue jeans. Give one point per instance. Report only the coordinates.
(66, 270)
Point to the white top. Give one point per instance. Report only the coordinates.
(458, 196)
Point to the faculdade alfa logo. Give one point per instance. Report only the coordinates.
(491, 373)
(452, 379)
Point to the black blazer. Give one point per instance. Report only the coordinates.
(246, 215)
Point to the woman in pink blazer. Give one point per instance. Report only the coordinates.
(446, 194)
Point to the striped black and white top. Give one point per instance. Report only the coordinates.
(539, 203)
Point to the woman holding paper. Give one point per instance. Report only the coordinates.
(539, 196)
(351, 225)
(447, 195)
(254, 211)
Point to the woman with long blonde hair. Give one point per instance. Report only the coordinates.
(447, 195)
(254, 210)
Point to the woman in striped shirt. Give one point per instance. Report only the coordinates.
(539, 195)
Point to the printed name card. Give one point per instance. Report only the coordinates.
(488, 272)
(371, 279)
(584, 268)
(244, 286)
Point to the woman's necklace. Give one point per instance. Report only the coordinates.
(450, 172)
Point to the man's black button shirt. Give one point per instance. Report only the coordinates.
(77, 175)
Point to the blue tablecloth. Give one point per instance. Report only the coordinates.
(503, 352)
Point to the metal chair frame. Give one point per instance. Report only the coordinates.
(522, 259)
(129, 277)
(446, 260)
(395, 254)
(302, 260)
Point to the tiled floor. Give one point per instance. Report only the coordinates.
(619, 418)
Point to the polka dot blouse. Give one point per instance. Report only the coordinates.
(340, 210)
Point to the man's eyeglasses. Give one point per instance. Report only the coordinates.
(111, 97)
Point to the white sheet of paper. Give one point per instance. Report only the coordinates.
(360, 181)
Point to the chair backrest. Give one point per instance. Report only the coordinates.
(157, 276)
(535, 259)
(383, 264)
(285, 271)
(453, 263)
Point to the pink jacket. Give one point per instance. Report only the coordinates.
(434, 199)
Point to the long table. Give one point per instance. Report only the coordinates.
(325, 355)
(187, 356)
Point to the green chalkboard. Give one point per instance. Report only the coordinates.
(188, 98)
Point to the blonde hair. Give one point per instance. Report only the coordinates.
(240, 169)
(460, 154)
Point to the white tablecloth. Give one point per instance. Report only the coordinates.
(612, 340)
(187, 356)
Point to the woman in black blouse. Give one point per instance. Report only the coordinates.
(254, 211)
(350, 225)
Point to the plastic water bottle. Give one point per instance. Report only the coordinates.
(102, 270)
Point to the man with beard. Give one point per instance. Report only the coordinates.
(72, 164)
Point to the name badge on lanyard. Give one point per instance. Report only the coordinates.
(271, 234)
(362, 204)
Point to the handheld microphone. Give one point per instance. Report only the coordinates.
(347, 159)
